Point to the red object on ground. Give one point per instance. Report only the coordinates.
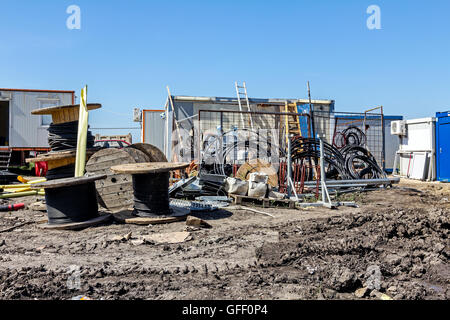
(12, 207)
(40, 168)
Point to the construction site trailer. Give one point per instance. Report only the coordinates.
(416, 157)
(20, 131)
(186, 108)
(443, 146)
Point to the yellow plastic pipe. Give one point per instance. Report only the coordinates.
(16, 190)
(36, 181)
(23, 194)
(14, 186)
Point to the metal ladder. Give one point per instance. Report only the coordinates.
(242, 95)
(5, 159)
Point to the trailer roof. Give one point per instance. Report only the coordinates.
(37, 90)
(227, 100)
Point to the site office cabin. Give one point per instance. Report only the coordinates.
(20, 131)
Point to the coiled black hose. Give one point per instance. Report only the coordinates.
(308, 149)
(351, 162)
(361, 164)
(151, 194)
(350, 136)
(61, 172)
(63, 136)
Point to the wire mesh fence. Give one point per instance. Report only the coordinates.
(341, 129)
(231, 143)
(229, 139)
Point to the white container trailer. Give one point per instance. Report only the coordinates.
(20, 131)
(416, 157)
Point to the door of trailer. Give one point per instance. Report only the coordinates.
(443, 146)
(4, 123)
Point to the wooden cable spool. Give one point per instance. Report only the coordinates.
(64, 114)
(71, 203)
(115, 192)
(151, 151)
(151, 193)
(60, 115)
(258, 165)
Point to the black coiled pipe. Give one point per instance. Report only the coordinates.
(308, 149)
(61, 172)
(361, 164)
(71, 204)
(63, 136)
(151, 194)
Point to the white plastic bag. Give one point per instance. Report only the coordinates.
(236, 186)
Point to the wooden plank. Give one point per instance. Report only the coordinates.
(53, 164)
(151, 167)
(59, 155)
(127, 216)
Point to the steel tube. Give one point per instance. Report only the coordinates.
(258, 112)
(358, 181)
(322, 170)
(289, 168)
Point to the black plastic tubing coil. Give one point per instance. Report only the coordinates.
(64, 136)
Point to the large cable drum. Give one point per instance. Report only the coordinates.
(151, 151)
(115, 192)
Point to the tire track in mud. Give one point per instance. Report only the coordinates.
(313, 254)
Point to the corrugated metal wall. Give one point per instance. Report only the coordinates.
(27, 130)
(391, 145)
(154, 128)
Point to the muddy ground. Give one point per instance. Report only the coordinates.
(396, 243)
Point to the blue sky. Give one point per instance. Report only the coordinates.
(128, 51)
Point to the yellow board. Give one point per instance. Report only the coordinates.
(80, 161)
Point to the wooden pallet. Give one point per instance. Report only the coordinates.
(265, 202)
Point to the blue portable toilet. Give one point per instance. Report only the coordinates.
(443, 146)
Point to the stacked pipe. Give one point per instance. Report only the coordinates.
(63, 136)
(351, 162)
